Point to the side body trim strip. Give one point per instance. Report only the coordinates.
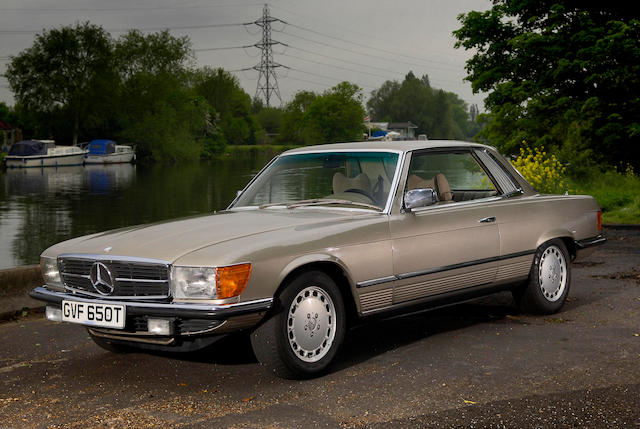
(403, 276)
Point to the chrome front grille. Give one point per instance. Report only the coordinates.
(131, 278)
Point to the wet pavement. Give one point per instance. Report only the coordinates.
(478, 364)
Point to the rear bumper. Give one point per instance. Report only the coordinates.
(588, 245)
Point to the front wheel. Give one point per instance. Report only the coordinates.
(549, 280)
(305, 333)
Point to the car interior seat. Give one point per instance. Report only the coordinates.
(342, 183)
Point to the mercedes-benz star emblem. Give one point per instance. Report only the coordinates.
(101, 278)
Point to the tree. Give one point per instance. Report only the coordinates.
(63, 72)
(333, 116)
(293, 129)
(158, 110)
(337, 115)
(560, 74)
(436, 113)
(231, 105)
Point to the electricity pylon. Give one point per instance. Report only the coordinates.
(267, 80)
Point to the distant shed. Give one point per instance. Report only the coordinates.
(8, 135)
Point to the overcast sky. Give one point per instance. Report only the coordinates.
(365, 42)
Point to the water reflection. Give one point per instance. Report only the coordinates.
(105, 178)
(39, 207)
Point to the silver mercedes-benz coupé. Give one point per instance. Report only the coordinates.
(321, 237)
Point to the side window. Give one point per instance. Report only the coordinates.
(505, 180)
(455, 176)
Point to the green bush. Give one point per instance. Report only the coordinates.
(617, 193)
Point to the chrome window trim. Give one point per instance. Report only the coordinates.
(396, 178)
(507, 174)
(482, 166)
(456, 204)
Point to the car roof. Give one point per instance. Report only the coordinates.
(403, 146)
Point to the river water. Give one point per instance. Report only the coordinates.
(40, 207)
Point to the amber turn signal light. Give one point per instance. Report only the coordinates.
(231, 280)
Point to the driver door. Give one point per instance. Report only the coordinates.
(453, 244)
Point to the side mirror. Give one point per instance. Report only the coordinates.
(416, 198)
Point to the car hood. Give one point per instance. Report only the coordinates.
(170, 240)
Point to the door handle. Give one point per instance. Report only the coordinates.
(487, 219)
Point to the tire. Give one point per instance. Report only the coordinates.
(108, 345)
(549, 280)
(304, 334)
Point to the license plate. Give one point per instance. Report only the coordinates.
(94, 314)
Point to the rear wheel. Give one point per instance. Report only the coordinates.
(304, 335)
(549, 280)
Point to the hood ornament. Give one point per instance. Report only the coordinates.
(107, 249)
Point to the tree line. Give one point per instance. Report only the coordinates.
(76, 83)
(558, 74)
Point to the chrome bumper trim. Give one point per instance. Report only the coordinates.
(176, 309)
(593, 241)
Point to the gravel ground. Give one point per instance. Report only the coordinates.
(478, 364)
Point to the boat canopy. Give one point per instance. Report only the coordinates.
(102, 147)
(30, 148)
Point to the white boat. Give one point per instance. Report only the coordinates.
(108, 152)
(43, 153)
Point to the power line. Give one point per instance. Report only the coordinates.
(342, 60)
(335, 79)
(371, 47)
(124, 9)
(338, 67)
(224, 48)
(343, 28)
(357, 52)
(309, 81)
(160, 28)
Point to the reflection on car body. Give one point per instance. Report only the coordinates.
(325, 235)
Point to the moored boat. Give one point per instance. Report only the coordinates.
(108, 152)
(43, 153)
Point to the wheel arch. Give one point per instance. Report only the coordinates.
(559, 234)
(332, 267)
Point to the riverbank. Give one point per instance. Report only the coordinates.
(252, 150)
(15, 285)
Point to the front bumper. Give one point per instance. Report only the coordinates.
(153, 309)
(191, 322)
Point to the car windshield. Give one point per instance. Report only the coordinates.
(361, 179)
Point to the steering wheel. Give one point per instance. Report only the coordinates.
(361, 192)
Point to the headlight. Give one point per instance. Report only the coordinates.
(50, 271)
(209, 282)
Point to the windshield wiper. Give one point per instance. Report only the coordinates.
(281, 203)
(323, 201)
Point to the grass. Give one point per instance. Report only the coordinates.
(617, 193)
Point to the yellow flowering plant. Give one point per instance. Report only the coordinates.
(542, 170)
